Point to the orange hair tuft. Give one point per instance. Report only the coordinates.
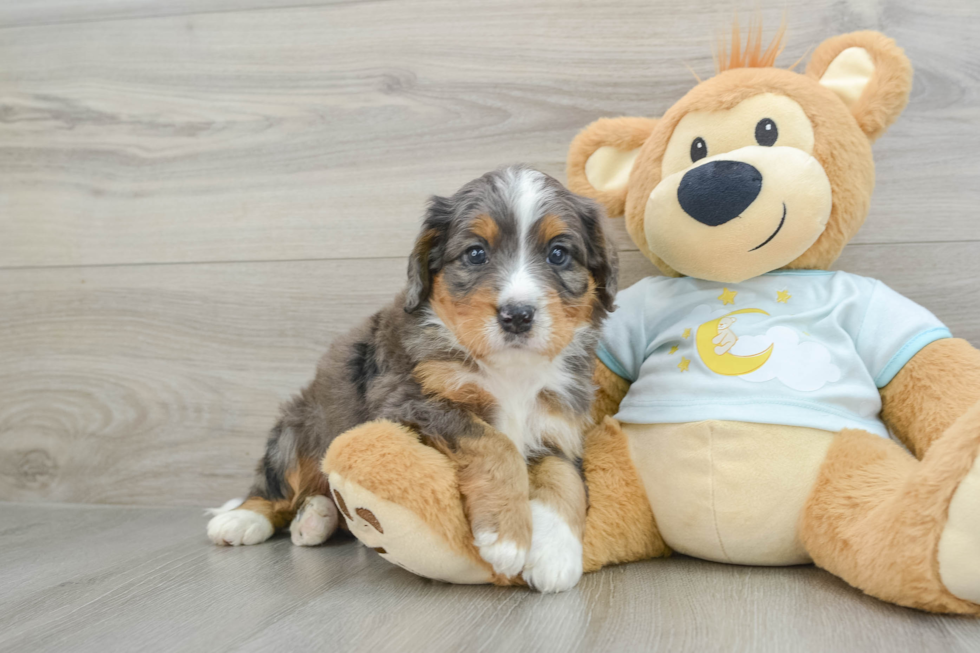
(752, 56)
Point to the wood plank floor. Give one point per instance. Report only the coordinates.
(197, 196)
(155, 384)
(316, 131)
(109, 578)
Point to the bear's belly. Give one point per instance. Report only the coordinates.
(729, 491)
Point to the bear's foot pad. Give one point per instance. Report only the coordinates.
(959, 545)
(402, 537)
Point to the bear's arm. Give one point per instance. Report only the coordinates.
(938, 385)
(611, 388)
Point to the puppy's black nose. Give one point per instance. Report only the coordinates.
(515, 319)
(719, 191)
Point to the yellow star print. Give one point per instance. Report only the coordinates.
(687, 334)
(673, 350)
(684, 364)
(728, 296)
(783, 296)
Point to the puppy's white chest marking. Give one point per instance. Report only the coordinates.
(516, 380)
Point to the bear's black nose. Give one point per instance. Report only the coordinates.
(719, 191)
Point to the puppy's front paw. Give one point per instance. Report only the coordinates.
(506, 556)
(315, 522)
(237, 527)
(554, 563)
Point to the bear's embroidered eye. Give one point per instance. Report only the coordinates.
(475, 255)
(699, 149)
(558, 256)
(766, 133)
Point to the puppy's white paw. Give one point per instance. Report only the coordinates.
(315, 522)
(504, 555)
(239, 527)
(555, 561)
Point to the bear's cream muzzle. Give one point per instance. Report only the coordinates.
(740, 214)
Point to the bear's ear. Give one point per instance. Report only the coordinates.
(869, 73)
(601, 157)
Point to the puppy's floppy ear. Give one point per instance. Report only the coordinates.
(426, 259)
(869, 73)
(602, 257)
(601, 157)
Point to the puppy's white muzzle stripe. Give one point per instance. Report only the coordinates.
(521, 288)
(527, 195)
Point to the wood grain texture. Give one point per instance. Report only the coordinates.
(317, 131)
(156, 384)
(22, 13)
(121, 579)
(196, 198)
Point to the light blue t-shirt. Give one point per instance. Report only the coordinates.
(797, 347)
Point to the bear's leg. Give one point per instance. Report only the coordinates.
(401, 498)
(936, 387)
(619, 526)
(903, 530)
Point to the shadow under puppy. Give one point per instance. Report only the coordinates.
(488, 356)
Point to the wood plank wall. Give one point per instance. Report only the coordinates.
(196, 196)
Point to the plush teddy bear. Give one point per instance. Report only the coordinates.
(746, 397)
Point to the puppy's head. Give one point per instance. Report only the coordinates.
(513, 260)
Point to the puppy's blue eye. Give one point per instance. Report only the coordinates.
(558, 255)
(475, 256)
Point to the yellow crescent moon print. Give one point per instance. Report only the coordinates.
(728, 363)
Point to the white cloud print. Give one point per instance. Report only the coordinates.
(801, 366)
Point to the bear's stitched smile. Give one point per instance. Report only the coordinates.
(782, 221)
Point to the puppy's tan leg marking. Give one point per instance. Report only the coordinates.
(494, 483)
(257, 518)
(558, 508)
(312, 515)
(556, 482)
